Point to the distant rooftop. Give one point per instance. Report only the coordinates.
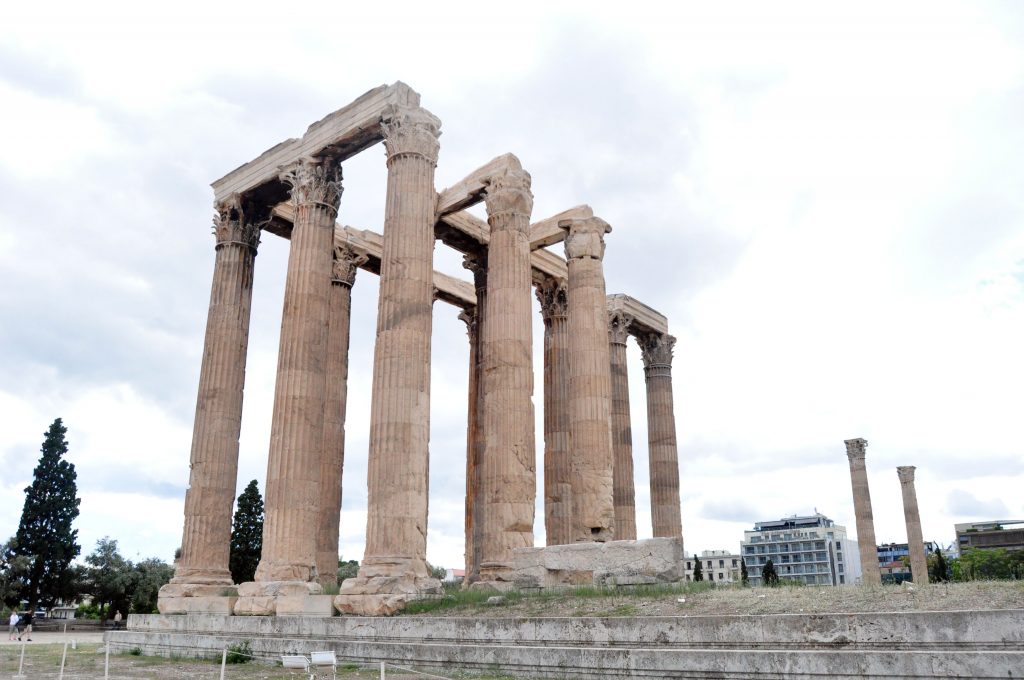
(991, 524)
(795, 522)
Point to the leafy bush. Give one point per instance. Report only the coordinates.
(239, 653)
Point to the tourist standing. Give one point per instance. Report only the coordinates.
(13, 631)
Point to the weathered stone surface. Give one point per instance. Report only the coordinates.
(855, 452)
(383, 595)
(590, 389)
(261, 605)
(622, 431)
(279, 589)
(305, 605)
(214, 458)
(915, 538)
(658, 559)
(224, 606)
(554, 307)
(400, 406)
(507, 476)
(194, 590)
(292, 505)
(666, 513)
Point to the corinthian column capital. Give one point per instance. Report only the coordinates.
(314, 181)
(657, 350)
(585, 238)
(618, 327)
(856, 448)
(411, 131)
(232, 226)
(553, 297)
(346, 262)
(470, 318)
(906, 474)
(509, 193)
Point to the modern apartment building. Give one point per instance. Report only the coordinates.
(893, 552)
(720, 566)
(1005, 533)
(812, 549)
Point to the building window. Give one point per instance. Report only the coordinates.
(734, 563)
(721, 563)
(840, 569)
(709, 564)
(842, 580)
(688, 566)
(711, 576)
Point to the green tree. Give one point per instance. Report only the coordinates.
(938, 568)
(346, 569)
(14, 569)
(111, 578)
(744, 577)
(988, 563)
(45, 535)
(151, 574)
(698, 573)
(247, 535)
(769, 576)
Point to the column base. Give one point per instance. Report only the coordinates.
(282, 598)
(193, 598)
(383, 595)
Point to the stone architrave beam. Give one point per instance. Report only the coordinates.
(644, 320)
(470, 190)
(548, 233)
(341, 134)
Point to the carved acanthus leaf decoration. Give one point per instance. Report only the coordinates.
(346, 263)
(618, 327)
(657, 349)
(314, 181)
(410, 130)
(585, 237)
(552, 294)
(508, 193)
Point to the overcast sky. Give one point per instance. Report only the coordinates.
(826, 201)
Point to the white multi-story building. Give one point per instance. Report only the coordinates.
(720, 566)
(812, 549)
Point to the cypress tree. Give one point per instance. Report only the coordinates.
(698, 573)
(45, 535)
(247, 535)
(769, 576)
(744, 578)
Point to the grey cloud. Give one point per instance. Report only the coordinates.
(966, 505)
(730, 510)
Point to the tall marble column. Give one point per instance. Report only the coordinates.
(292, 505)
(474, 319)
(622, 432)
(915, 538)
(206, 539)
(855, 452)
(554, 308)
(662, 451)
(343, 275)
(394, 566)
(590, 385)
(507, 478)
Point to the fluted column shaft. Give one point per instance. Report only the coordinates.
(507, 468)
(474, 318)
(343, 275)
(622, 431)
(590, 389)
(396, 537)
(292, 505)
(206, 539)
(554, 308)
(915, 537)
(662, 450)
(855, 452)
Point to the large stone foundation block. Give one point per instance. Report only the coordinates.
(383, 595)
(305, 605)
(267, 598)
(196, 598)
(652, 560)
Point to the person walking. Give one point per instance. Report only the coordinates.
(27, 630)
(117, 619)
(13, 623)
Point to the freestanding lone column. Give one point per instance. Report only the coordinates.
(855, 452)
(206, 539)
(554, 308)
(915, 539)
(622, 433)
(394, 565)
(590, 384)
(297, 429)
(663, 453)
(343, 275)
(474, 319)
(508, 481)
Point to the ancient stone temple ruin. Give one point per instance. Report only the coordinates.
(294, 191)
